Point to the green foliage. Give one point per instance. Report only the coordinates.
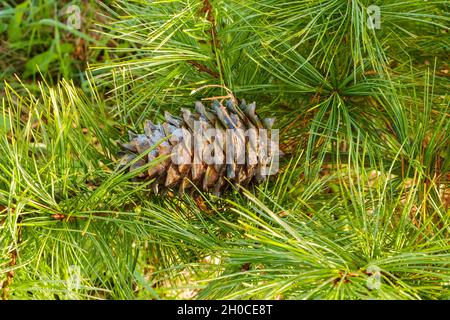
(36, 39)
(359, 210)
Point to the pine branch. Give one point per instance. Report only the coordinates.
(215, 43)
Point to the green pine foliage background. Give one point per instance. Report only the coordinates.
(360, 208)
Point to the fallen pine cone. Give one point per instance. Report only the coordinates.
(205, 148)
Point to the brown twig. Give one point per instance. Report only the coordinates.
(215, 43)
(207, 8)
(9, 275)
(12, 263)
(230, 94)
(202, 68)
(63, 217)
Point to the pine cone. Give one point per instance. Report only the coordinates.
(206, 148)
